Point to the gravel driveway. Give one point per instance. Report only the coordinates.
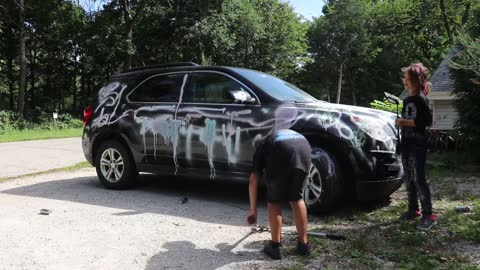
(146, 228)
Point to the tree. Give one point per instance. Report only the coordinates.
(465, 68)
(130, 19)
(341, 38)
(23, 68)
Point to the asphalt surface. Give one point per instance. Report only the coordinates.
(20, 158)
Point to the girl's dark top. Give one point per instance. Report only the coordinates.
(417, 109)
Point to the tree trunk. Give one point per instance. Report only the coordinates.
(245, 62)
(445, 20)
(75, 79)
(466, 14)
(23, 68)
(128, 61)
(352, 85)
(83, 95)
(32, 77)
(129, 23)
(339, 91)
(10, 82)
(89, 86)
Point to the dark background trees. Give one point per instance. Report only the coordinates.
(354, 52)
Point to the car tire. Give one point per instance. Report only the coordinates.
(323, 189)
(115, 166)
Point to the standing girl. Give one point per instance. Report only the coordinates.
(416, 117)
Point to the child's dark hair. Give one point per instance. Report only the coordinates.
(418, 75)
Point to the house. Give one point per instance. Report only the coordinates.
(441, 98)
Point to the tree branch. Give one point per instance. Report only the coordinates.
(445, 20)
(126, 12)
(466, 14)
(139, 11)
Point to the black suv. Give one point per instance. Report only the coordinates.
(205, 121)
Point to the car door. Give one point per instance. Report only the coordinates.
(220, 133)
(155, 103)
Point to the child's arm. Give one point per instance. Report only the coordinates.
(405, 122)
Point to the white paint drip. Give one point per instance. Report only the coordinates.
(181, 94)
(208, 138)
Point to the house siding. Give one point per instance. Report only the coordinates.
(444, 115)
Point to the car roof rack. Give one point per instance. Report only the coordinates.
(171, 65)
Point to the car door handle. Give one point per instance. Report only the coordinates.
(194, 116)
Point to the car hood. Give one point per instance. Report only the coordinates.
(387, 118)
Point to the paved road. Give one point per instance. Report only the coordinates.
(20, 158)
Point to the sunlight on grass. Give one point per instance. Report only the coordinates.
(377, 239)
(75, 167)
(39, 134)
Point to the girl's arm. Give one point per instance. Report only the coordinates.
(405, 122)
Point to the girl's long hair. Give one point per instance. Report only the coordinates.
(419, 76)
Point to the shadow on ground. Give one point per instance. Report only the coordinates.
(154, 194)
(191, 257)
(227, 202)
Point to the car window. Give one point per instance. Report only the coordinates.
(275, 87)
(163, 88)
(205, 87)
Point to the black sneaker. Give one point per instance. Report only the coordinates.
(304, 249)
(409, 215)
(427, 222)
(272, 250)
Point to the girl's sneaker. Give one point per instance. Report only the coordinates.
(427, 222)
(409, 215)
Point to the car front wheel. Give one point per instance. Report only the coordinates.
(115, 168)
(323, 189)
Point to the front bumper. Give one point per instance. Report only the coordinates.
(376, 190)
(378, 173)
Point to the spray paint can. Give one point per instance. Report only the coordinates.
(462, 209)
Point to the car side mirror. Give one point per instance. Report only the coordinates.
(392, 99)
(243, 97)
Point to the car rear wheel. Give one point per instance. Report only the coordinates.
(114, 165)
(323, 189)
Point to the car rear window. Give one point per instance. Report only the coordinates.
(161, 88)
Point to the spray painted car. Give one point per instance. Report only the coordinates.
(205, 121)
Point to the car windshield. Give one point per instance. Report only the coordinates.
(275, 87)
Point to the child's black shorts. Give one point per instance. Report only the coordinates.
(287, 188)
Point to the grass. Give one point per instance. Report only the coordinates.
(75, 167)
(39, 134)
(377, 240)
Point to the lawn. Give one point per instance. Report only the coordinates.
(377, 240)
(39, 134)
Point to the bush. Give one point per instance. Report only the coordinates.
(386, 105)
(10, 121)
(40, 120)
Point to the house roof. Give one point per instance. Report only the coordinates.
(440, 79)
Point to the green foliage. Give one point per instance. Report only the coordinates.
(387, 35)
(72, 52)
(465, 68)
(11, 121)
(465, 226)
(385, 105)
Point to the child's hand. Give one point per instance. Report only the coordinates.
(252, 218)
(399, 122)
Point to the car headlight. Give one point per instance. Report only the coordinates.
(375, 128)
